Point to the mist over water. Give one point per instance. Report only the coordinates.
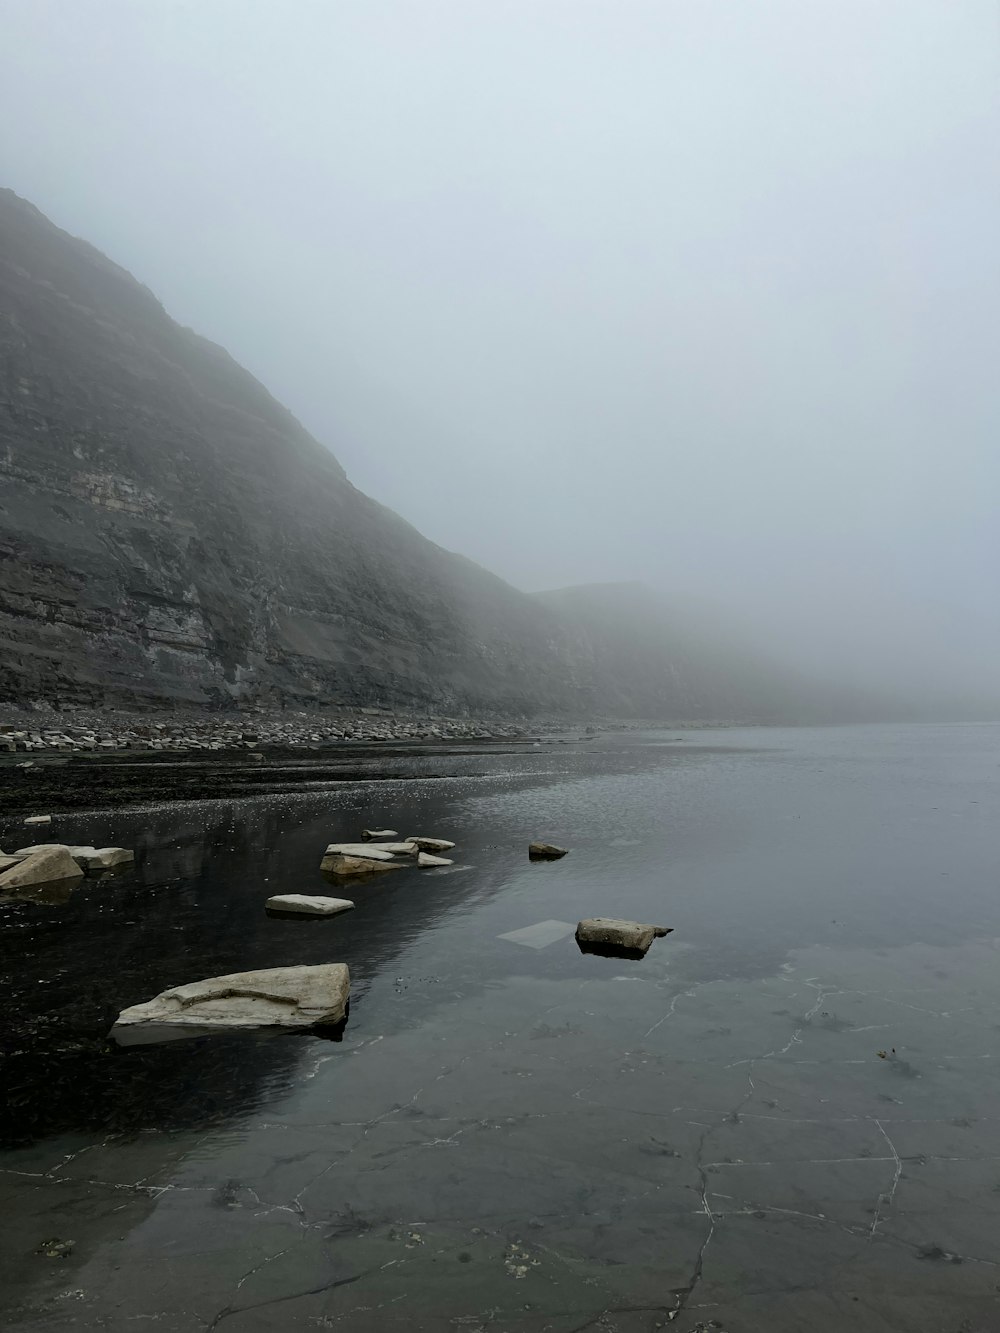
(701, 295)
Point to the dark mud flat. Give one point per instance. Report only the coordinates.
(783, 1118)
(54, 783)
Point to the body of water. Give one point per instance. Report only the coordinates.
(783, 1118)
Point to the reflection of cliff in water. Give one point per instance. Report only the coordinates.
(193, 908)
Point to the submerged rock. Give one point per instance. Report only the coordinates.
(620, 939)
(425, 859)
(337, 863)
(277, 997)
(432, 844)
(545, 851)
(301, 904)
(372, 834)
(41, 867)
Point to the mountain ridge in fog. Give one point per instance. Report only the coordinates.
(171, 534)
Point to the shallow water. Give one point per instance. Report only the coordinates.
(784, 1117)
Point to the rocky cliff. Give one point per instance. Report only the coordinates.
(169, 534)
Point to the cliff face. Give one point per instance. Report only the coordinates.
(170, 533)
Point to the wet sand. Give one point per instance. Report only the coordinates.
(784, 1117)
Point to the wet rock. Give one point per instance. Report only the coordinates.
(301, 904)
(617, 939)
(371, 835)
(279, 997)
(38, 819)
(360, 849)
(336, 863)
(41, 867)
(102, 858)
(424, 859)
(7, 861)
(545, 851)
(395, 848)
(432, 844)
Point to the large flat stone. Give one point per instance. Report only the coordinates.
(302, 904)
(277, 997)
(336, 863)
(362, 849)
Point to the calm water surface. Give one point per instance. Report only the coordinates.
(785, 1117)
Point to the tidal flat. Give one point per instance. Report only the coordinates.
(783, 1117)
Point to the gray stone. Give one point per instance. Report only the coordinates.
(545, 851)
(336, 863)
(103, 858)
(302, 904)
(371, 835)
(38, 819)
(278, 997)
(361, 849)
(628, 938)
(432, 844)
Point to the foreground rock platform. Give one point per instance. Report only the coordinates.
(278, 997)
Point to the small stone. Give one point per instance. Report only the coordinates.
(103, 858)
(361, 849)
(425, 859)
(38, 819)
(545, 851)
(302, 904)
(374, 834)
(432, 844)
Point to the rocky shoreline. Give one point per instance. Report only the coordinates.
(44, 730)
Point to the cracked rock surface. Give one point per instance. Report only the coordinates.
(786, 1120)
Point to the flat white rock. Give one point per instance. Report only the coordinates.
(425, 859)
(277, 997)
(308, 906)
(369, 833)
(39, 819)
(363, 849)
(432, 844)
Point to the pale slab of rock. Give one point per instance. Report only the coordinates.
(425, 859)
(361, 849)
(277, 997)
(337, 863)
(7, 861)
(546, 851)
(373, 834)
(102, 858)
(42, 867)
(22, 852)
(432, 844)
(38, 819)
(305, 905)
(610, 933)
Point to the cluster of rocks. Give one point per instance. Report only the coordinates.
(56, 863)
(103, 733)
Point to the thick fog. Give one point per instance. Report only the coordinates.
(699, 293)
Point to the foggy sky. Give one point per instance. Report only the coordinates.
(700, 293)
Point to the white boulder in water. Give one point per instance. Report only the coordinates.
(278, 997)
(424, 859)
(42, 867)
(432, 844)
(38, 819)
(302, 904)
(337, 863)
(373, 834)
(362, 849)
(102, 858)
